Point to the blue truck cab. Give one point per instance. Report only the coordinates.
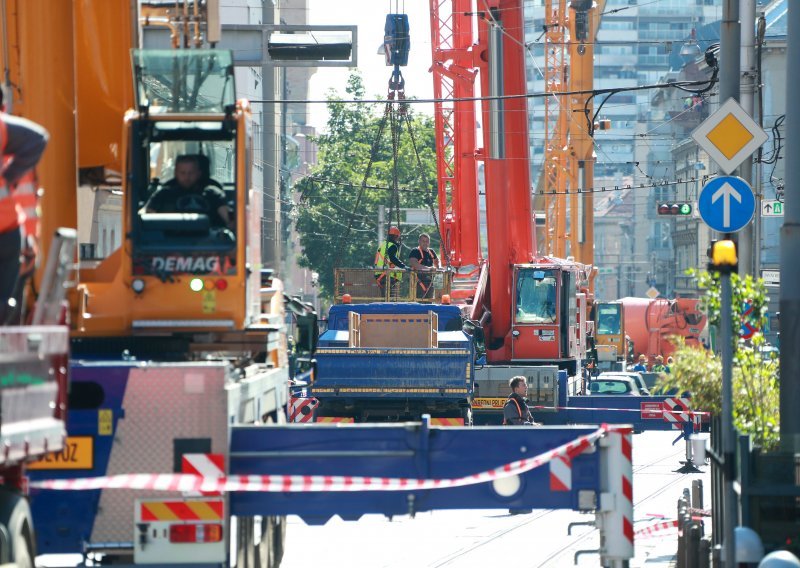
(394, 361)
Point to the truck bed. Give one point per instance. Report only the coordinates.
(396, 360)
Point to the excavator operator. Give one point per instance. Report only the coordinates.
(192, 192)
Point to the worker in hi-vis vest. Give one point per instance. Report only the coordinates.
(22, 143)
(386, 258)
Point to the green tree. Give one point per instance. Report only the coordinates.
(334, 226)
(756, 403)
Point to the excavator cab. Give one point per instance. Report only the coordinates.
(610, 338)
(183, 165)
(188, 208)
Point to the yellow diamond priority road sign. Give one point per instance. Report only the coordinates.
(729, 136)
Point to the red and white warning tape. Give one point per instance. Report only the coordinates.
(650, 531)
(636, 410)
(663, 526)
(301, 483)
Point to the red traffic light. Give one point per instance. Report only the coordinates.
(674, 208)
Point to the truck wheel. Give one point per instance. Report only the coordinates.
(15, 515)
(279, 538)
(270, 548)
(245, 542)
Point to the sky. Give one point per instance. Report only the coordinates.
(370, 16)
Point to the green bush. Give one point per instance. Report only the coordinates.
(756, 388)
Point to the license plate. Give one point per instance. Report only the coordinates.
(78, 453)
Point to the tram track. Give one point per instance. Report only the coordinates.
(573, 543)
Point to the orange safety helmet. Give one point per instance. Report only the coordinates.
(394, 231)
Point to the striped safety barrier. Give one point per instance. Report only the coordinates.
(165, 510)
(627, 483)
(205, 465)
(677, 413)
(302, 409)
(316, 483)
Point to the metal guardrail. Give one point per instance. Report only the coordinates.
(368, 285)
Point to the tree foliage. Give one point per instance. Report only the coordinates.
(756, 402)
(334, 226)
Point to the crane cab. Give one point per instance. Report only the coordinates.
(188, 211)
(548, 323)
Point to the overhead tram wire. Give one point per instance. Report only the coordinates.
(675, 84)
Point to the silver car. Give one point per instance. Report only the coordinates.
(619, 383)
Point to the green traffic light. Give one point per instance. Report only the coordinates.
(686, 209)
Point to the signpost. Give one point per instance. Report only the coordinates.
(729, 136)
(726, 204)
(772, 278)
(772, 208)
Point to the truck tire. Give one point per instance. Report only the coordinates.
(15, 515)
(279, 538)
(245, 543)
(270, 547)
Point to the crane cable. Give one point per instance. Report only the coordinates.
(429, 197)
(372, 154)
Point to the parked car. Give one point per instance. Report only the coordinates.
(636, 377)
(617, 385)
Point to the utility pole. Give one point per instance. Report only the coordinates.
(790, 252)
(730, 36)
(748, 237)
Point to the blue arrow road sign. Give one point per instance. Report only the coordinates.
(726, 204)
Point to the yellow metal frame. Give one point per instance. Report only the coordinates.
(361, 284)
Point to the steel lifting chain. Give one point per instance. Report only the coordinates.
(372, 154)
(430, 195)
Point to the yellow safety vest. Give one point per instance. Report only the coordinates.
(382, 261)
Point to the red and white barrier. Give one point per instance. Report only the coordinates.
(674, 410)
(615, 513)
(302, 409)
(315, 483)
(205, 465)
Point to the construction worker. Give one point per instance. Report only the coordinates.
(659, 367)
(22, 143)
(515, 410)
(386, 258)
(641, 366)
(424, 260)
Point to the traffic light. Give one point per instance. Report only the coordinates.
(674, 208)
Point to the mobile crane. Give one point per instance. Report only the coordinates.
(529, 310)
(177, 335)
(527, 314)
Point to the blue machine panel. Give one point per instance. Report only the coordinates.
(393, 372)
(409, 450)
(64, 519)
